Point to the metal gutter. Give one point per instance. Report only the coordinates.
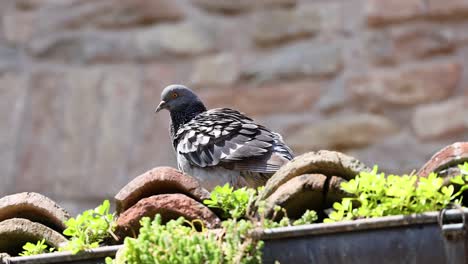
(433, 237)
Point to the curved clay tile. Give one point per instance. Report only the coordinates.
(160, 180)
(35, 207)
(298, 194)
(328, 163)
(169, 206)
(446, 160)
(307, 191)
(334, 192)
(16, 232)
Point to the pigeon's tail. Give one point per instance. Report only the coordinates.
(256, 172)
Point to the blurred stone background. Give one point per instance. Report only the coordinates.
(79, 80)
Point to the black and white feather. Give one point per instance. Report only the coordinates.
(221, 145)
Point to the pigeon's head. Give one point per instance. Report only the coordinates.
(177, 97)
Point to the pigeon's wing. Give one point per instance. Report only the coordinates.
(228, 138)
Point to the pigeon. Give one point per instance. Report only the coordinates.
(220, 145)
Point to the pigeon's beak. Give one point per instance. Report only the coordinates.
(162, 105)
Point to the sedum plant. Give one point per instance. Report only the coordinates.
(378, 195)
(178, 241)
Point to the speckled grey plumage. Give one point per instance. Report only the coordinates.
(221, 145)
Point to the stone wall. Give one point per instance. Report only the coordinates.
(79, 80)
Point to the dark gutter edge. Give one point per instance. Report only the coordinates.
(363, 224)
(61, 257)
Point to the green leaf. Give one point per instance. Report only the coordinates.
(458, 180)
(380, 195)
(89, 228)
(308, 217)
(232, 202)
(463, 168)
(30, 249)
(176, 243)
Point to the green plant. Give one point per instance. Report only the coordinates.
(233, 203)
(375, 195)
(462, 179)
(309, 217)
(89, 229)
(34, 249)
(176, 242)
(238, 245)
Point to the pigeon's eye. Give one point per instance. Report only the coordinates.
(174, 95)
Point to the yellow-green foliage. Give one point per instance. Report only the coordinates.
(377, 195)
(175, 243)
(89, 229)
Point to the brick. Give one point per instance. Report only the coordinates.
(108, 14)
(122, 13)
(13, 91)
(240, 5)
(102, 48)
(82, 47)
(40, 132)
(218, 70)
(280, 25)
(401, 44)
(406, 86)
(300, 95)
(303, 59)
(341, 133)
(64, 46)
(450, 9)
(439, 120)
(39, 19)
(181, 39)
(383, 11)
(37, 4)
